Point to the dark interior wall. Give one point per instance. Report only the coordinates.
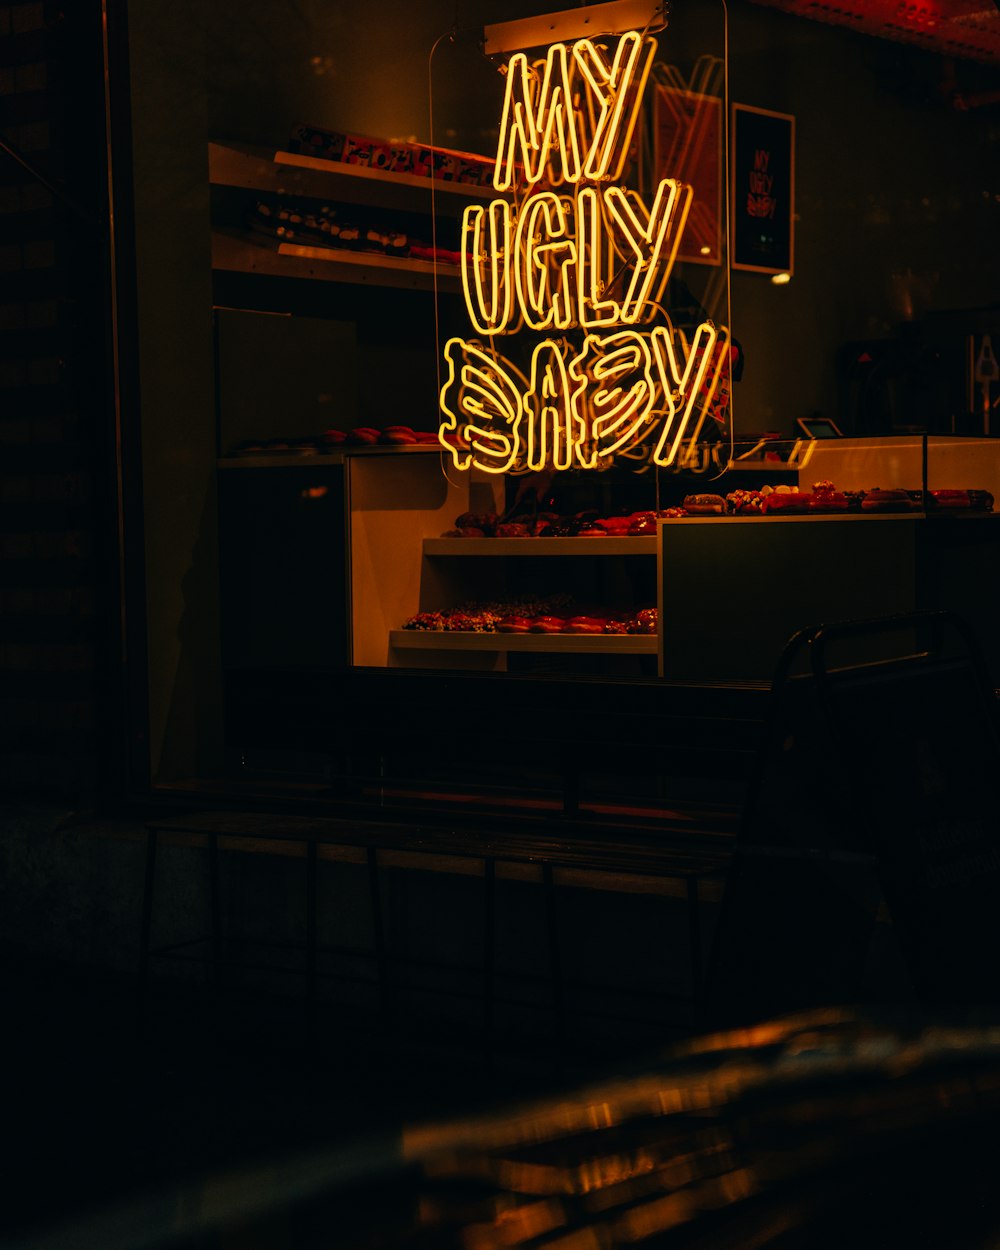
(373, 71)
(896, 191)
(897, 203)
(59, 664)
(172, 343)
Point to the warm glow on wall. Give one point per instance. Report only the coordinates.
(577, 253)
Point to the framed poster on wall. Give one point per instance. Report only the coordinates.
(763, 190)
(688, 147)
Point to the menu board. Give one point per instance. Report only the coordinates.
(763, 190)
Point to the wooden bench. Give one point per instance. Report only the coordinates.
(685, 864)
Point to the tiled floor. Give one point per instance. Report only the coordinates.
(99, 1115)
(221, 1130)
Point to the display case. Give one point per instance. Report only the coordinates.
(323, 557)
(375, 573)
(728, 590)
(405, 565)
(911, 462)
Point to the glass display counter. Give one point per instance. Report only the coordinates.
(457, 569)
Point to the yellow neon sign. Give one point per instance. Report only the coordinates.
(556, 431)
(580, 408)
(546, 258)
(489, 292)
(623, 388)
(553, 263)
(481, 402)
(570, 118)
(590, 258)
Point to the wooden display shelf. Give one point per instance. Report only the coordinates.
(265, 460)
(298, 460)
(566, 644)
(644, 545)
(240, 253)
(254, 168)
(778, 518)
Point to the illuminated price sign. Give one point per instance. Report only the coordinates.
(577, 252)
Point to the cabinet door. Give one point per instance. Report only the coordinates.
(283, 567)
(734, 590)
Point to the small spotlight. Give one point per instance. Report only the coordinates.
(781, 279)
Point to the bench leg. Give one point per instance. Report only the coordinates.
(489, 952)
(555, 961)
(694, 930)
(571, 790)
(378, 935)
(311, 892)
(215, 910)
(145, 931)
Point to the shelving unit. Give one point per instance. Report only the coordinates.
(243, 167)
(516, 549)
(396, 504)
(235, 252)
(251, 168)
(400, 565)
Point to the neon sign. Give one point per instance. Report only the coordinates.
(577, 254)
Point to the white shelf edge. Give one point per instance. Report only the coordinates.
(389, 177)
(796, 516)
(459, 547)
(234, 252)
(254, 167)
(566, 644)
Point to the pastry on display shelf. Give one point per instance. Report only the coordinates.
(513, 624)
(744, 503)
(826, 498)
(547, 625)
(471, 620)
(961, 500)
(704, 505)
(888, 501)
(585, 524)
(644, 622)
(396, 156)
(585, 625)
(616, 526)
(364, 435)
(785, 500)
(306, 224)
(533, 617)
(336, 439)
(390, 435)
(426, 620)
